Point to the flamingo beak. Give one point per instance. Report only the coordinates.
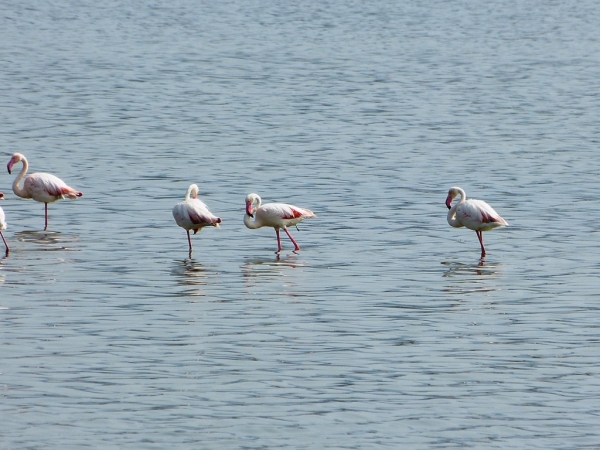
(449, 201)
(9, 166)
(249, 209)
(1, 196)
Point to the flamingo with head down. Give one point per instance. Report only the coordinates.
(276, 215)
(3, 225)
(476, 215)
(42, 187)
(193, 214)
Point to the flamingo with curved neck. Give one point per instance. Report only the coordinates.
(193, 214)
(3, 225)
(42, 187)
(276, 215)
(476, 215)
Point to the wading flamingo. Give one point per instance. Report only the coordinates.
(42, 187)
(3, 224)
(193, 214)
(276, 215)
(476, 215)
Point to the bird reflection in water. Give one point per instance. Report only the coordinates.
(471, 277)
(263, 269)
(50, 240)
(190, 273)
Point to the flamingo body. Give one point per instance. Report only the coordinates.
(193, 214)
(47, 188)
(475, 215)
(3, 224)
(276, 215)
(42, 187)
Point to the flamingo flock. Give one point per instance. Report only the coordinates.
(192, 214)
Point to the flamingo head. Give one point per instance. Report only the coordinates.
(250, 200)
(15, 159)
(453, 192)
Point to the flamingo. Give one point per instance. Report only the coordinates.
(276, 215)
(476, 215)
(42, 187)
(3, 224)
(193, 214)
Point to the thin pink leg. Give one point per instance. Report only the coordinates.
(278, 240)
(480, 237)
(189, 241)
(297, 247)
(46, 215)
(7, 248)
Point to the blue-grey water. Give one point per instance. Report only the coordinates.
(385, 330)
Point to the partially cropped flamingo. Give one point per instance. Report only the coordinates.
(193, 214)
(3, 224)
(476, 215)
(42, 187)
(276, 215)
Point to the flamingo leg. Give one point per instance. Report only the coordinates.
(278, 240)
(189, 241)
(480, 237)
(297, 247)
(46, 216)
(7, 248)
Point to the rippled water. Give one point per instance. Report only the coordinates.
(386, 330)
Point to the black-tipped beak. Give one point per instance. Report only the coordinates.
(251, 215)
(449, 207)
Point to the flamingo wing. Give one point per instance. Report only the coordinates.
(199, 214)
(478, 215)
(45, 187)
(281, 214)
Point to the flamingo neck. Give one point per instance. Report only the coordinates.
(192, 192)
(258, 203)
(21, 192)
(452, 220)
(252, 224)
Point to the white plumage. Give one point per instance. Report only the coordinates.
(42, 187)
(476, 215)
(276, 215)
(3, 224)
(193, 214)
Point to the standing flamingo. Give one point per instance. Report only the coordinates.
(193, 214)
(3, 224)
(42, 187)
(476, 215)
(276, 215)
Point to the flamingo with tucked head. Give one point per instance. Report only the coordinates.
(42, 187)
(3, 224)
(193, 214)
(276, 215)
(476, 215)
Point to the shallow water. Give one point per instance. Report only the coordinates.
(386, 330)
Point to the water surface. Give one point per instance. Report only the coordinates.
(386, 330)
